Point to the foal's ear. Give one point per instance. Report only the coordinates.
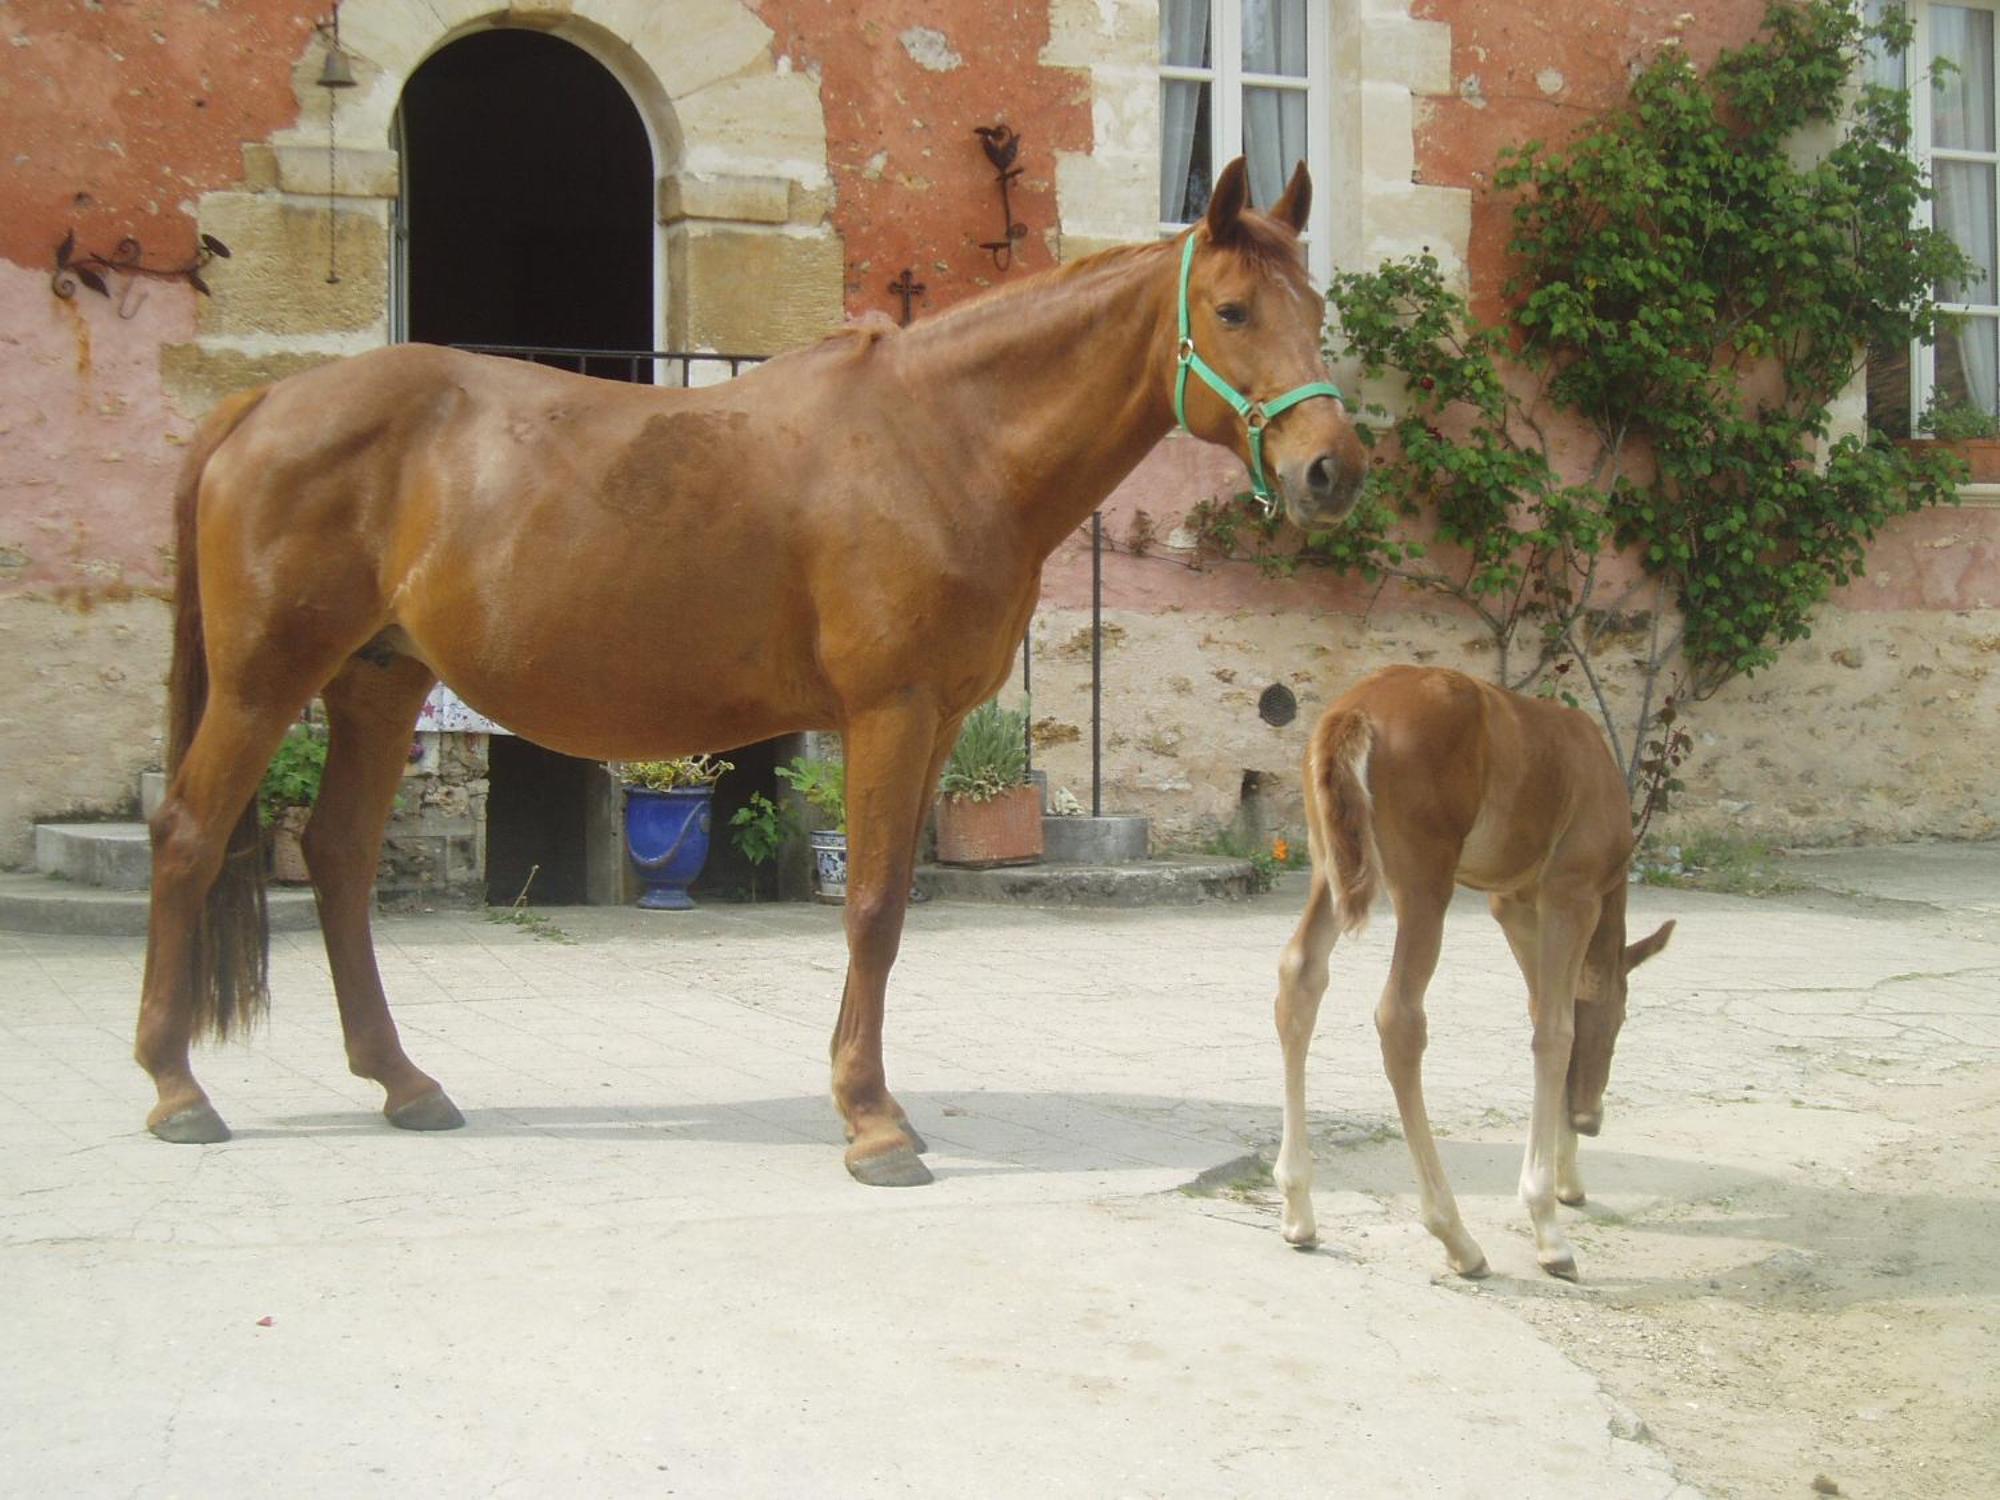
(1226, 203)
(1645, 948)
(1296, 202)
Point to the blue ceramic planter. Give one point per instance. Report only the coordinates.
(666, 833)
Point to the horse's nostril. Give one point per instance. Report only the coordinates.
(1319, 478)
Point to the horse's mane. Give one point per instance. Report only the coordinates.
(1262, 240)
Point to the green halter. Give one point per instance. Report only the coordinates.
(1255, 414)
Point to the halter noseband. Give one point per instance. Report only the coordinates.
(1256, 415)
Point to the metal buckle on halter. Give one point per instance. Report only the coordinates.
(1255, 417)
(1186, 351)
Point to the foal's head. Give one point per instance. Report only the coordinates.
(1600, 1011)
(1255, 318)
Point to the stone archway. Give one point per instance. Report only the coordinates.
(747, 260)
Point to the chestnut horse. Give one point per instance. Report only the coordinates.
(1420, 778)
(848, 537)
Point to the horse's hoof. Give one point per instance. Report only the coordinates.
(432, 1111)
(897, 1167)
(1477, 1271)
(917, 1143)
(199, 1126)
(1563, 1268)
(1573, 1199)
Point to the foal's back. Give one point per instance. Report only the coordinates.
(1500, 788)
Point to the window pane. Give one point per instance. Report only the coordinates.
(1881, 68)
(1185, 167)
(1962, 96)
(1184, 34)
(1963, 209)
(1274, 37)
(1967, 358)
(1274, 140)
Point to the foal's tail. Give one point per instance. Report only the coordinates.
(229, 958)
(1337, 767)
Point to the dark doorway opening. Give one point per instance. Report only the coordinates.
(528, 198)
(527, 217)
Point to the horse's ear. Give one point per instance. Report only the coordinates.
(1646, 947)
(1225, 204)
(1296, 202)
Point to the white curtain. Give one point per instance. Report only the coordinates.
(1274, 120)
(1184, 43)
(1962, 119)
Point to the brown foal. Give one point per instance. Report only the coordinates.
(1419, 778)
(849, 537)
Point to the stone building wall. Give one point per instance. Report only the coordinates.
(807, 154)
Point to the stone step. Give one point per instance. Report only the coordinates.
(1182, 880)
(114, 856)
(40, 903)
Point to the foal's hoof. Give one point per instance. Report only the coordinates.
(432, 1111)
(1574, 1198)
(1477, 1271)
(199, 1126)
(899, 1166)
(1563, 1267)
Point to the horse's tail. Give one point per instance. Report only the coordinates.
(230, 956)
(1337, 764)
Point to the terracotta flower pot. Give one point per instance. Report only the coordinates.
(288, 859)
(1005, 830)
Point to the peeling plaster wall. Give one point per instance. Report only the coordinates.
(808, 153)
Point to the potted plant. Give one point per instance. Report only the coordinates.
(823, 784)
(988, 813)
(759, 830)
(668, 806)
(285, 798)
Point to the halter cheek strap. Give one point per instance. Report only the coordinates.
(1256, 415)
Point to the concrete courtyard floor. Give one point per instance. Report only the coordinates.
(641, 1270)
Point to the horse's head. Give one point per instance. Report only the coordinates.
(1250, 321)
(1600, 1012)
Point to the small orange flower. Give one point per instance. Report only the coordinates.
(1281, 851)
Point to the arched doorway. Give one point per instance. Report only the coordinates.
(528, 217)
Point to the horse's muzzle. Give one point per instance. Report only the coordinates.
(1322, 489)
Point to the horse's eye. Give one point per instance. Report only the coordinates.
(1232, 314)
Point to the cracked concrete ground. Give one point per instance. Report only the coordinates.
(641, 1270)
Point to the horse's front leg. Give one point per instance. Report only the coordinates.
(893, 759)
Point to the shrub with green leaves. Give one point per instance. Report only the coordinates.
(991, 755)
(823, 784)
(293, 777)
(1693, 288)
(677, 774)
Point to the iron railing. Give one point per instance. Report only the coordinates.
(639, 366)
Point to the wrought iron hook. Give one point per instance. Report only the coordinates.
(1002, 144)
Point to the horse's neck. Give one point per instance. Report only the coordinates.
(1057, 391)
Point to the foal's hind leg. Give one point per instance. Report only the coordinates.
(371, 710)
(191, 838)
(1301, 986)
(1404, 1031)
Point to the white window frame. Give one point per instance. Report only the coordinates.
(1227, 80)
(1917, 76)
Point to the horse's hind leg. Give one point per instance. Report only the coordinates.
(1404, 1030)
(204, 960)
(371, 710)
(1301, 985)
